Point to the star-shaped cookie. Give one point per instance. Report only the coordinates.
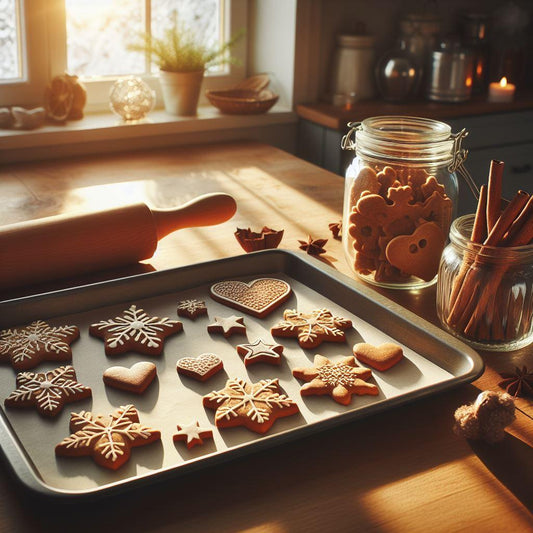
(227, 325)
(312, 328)
(259, 351)
(340, 380)
(193, 434)
(107, 438)
(47, 391)
(136, 331)
(26, 347)
(255, 406)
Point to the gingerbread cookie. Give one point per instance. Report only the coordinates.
(201, 368)
(192, 308)
(135, 379)
(48, 392)
(135, 331)
(107, 438)
(193, 434)
(227, 326)
(407, 198)
(255, 406)
(312, 328)
(257, 298)
(380, 357)
(260, 352)
(26, 347)
(417, 253)
(340, 380)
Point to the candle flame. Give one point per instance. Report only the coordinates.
(503, 82)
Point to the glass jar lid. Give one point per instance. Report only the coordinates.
(415, 139)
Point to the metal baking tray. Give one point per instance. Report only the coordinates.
(434, 361)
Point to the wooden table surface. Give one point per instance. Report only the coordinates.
(401, 470)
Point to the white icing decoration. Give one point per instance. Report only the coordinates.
(201, 365)
(260, 349)
(194, 432)
(228, 323)
(135, 325)
(37, 338)
(254, 297)
(47, 390)
(258, 399)
(123, 423)
(191, 306)
(307, 326)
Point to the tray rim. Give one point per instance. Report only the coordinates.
(21, 464)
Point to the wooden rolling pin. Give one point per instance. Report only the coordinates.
(68, 245)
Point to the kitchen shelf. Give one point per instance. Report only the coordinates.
(337, 118)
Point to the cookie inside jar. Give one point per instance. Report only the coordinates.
(399, 200)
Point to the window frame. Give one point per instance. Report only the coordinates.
(44, 56)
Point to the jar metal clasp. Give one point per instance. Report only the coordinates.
(348, 140)
(459, 157)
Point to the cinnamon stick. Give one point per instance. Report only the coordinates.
(521, 231)
(478, 236)
(479, 231)
(506, 219)
(468, 313)
(494, 195)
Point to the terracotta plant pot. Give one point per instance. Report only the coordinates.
(181, 91)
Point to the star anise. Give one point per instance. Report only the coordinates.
(313, 246)
(519, 383)
(336, 228)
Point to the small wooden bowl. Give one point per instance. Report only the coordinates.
(242, 101)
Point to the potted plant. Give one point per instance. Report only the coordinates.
(182, 59)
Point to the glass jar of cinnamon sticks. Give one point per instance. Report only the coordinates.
(399, 198)
(485, 280)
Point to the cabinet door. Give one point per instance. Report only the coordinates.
(517, 174)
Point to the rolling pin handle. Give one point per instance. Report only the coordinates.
(206, 210)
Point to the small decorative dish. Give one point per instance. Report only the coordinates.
(242, 101)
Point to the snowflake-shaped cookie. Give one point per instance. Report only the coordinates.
(312, 328)
(108, 439)
(259, 351)
(135, 330)
(47, 391)
(192, 308)
(192, 434)
(26, 347)
(339, 380)
(255, 406)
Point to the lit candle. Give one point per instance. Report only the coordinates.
(501, 92)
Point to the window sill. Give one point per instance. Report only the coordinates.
(105, 132)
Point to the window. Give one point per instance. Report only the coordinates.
(42, 38)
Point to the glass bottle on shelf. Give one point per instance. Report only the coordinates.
(398, 73)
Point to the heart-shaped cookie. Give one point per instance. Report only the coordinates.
(380, 357)
(135, 379)
(417, 254)
(201, 368)
(257, 298)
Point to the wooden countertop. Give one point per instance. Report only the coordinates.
(401, 470)
(337, 118)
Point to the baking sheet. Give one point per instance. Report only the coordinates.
(433, 361)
